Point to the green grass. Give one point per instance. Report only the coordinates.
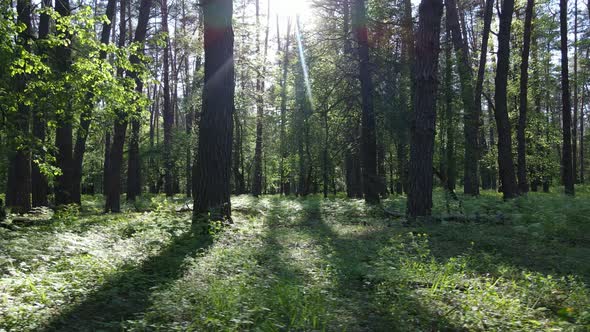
(302, 265)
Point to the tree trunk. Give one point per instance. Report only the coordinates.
(63, 132)
(450, 169)
(213, 169)
(471, 117)
(481, 70)
(424, 125)
(19, 193)
(40, 186)
(368, 130)
(567, 161)
(168, 109)
(86, 116)
(523, 184)
(284, 150)
(121, 122)
(260, 87)
(505, 162)
(575, 115)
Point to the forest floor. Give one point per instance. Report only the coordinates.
(302, 264)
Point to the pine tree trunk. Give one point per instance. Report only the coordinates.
(368, 127)
(168, 109)
(450, 162)
(471, 117)
(40, 186)
(424, 125)
(505, 162)
(213, 169)
(575, 83)
(63, 132)
(19, 193)
(260, 87)
(481, 70)
(567, 159)
(284, 151)
(523, 184)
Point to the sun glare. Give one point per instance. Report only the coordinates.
(291, 8)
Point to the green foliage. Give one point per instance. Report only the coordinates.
(301, 264)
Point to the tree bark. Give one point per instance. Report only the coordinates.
(471, 117)
(40, 185)
(424, 125)
(567, 159)
(63, 132)
(505, 162)
(523, 184)
(284, 150)
(19, 193)
(260, 87)
(368, 128)
(213, 168)
(576, 101)
(168, 109)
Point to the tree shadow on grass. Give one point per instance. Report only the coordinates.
(127, 293)
(351, 257)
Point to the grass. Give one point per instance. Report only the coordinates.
(302, 265)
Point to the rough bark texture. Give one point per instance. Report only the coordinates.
(40, 186)
(368, 128)
(566, 158)
(471, 117)
(63, 132)
(424, 124)
(523, 184)
(576, 101)
(19, 192)
(505, 162)
(213, 168)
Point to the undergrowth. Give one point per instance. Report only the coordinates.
(304, 265)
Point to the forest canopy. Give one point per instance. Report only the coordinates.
(401, 114)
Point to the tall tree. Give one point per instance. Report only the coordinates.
(40, 185)
(352, 156)
(284, 151)
(63, 132)
(260, 86)
(371, 182)
(523, 184)
(19, 194)
(168, 109)
(576, 101)
(86, 116)
(213, 166)
(481, 71)
(471, 117)
(566, 158)
(113, 198)
(505, 162)
(424, 123)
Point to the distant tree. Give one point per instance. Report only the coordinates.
(168, 109)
